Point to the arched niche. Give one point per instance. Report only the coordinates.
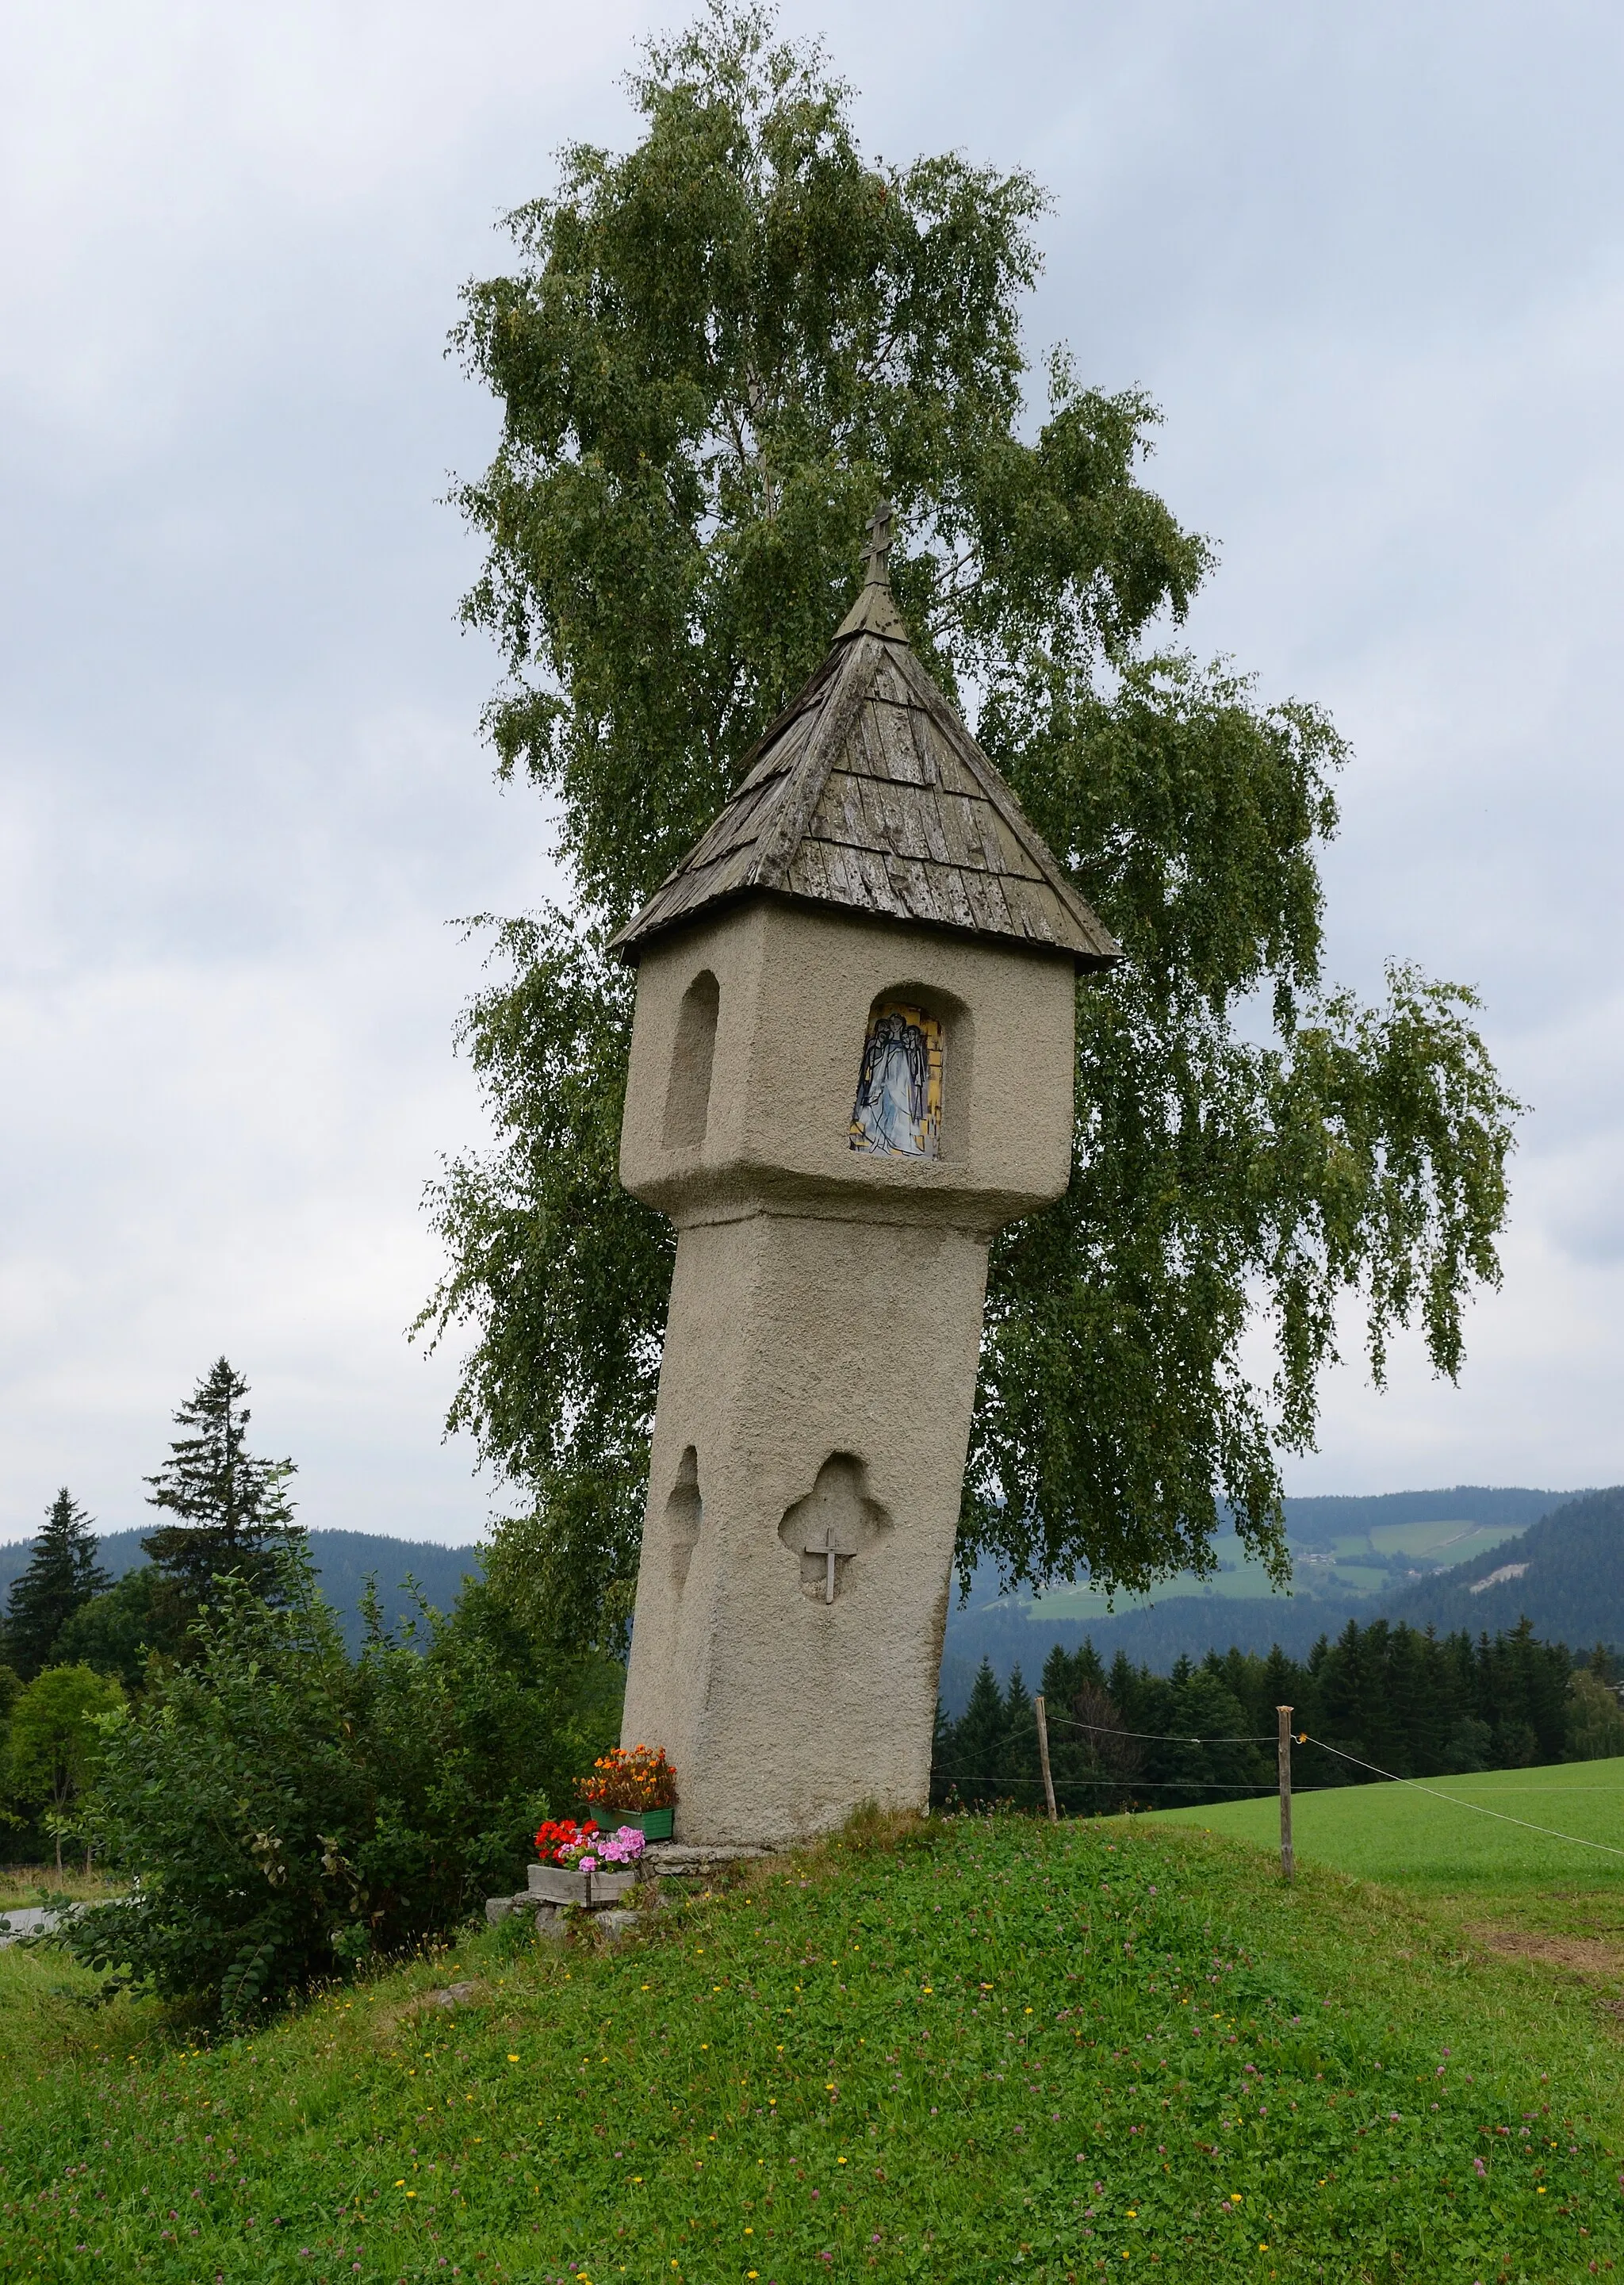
(687, 1093)
(915, 1076)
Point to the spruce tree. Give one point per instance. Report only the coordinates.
(231, 1510)
(1018, 1767)
(978, 1738)
(61, 1577)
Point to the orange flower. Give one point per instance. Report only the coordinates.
(633, 1777)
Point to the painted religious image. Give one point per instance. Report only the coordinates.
(898, 1106)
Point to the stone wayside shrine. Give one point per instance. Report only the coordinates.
(852, 1063)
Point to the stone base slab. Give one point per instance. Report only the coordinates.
(682, 1859)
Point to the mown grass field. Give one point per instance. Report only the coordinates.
(1422, 1842)
(965, 2050)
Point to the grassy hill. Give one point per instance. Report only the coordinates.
(965, 2050)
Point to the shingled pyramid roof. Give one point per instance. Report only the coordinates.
(868, 793)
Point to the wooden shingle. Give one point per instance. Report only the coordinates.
(868, 793)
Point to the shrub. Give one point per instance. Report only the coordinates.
(1595, 1723)
(1470, 1746)
(286, 1813)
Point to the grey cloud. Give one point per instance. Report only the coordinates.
(1370, 262)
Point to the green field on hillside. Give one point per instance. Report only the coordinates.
(963, 2051)
(1238, 1579)
(1424, 1842)
(1344, 1568)
(1439, 1542)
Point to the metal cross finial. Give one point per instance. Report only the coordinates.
(880, 544)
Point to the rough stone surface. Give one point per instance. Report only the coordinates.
(617, 1924)
(680, 1860)
(821, 1346)
(795, 989)
(455, 1995)
(497, 1908)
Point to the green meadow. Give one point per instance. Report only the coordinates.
(1440, 1542)
(1438, 1841)
(965, 2049)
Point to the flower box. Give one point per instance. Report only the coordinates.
(560, 1884)
(652, 1824)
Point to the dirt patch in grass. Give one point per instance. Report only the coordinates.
(1581, 1955)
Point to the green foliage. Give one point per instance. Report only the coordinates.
(1595, 1719)
(288, 1813)
(713, 353)
(234, 1514)
(562, 1384)
(116, 1632)
(54, 1746)
(1006, 2050)
(60, 1577)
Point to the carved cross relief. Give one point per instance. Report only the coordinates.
(832, 1527)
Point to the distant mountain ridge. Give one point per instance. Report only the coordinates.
(1319, 1520)
(1564, 1570)
(343, 1560)
(1343, 1573)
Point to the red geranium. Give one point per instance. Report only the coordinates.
(555, 1839)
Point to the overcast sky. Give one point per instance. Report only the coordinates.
(1371, 262)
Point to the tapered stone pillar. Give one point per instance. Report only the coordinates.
(852, 1063)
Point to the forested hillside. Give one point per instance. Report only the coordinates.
(1324, 1520)
(1565, 1574)
(1351, 1556)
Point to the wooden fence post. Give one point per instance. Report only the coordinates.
(1043, 1755)
(1288, 1861)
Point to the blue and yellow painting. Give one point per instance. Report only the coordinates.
(899, 1107)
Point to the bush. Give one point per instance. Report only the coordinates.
(117, 1632)
(1469, 1747)
(286, 1813)
(1595, 1723)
